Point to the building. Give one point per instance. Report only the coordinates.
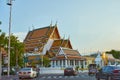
(67, 58)
(88, 60)
(47, 41)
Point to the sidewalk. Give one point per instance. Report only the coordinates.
(11, 77)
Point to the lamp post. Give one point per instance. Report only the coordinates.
(10, 5)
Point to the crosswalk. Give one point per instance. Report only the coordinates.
(62, 76)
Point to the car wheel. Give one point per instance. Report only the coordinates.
(97, 79)
(19, 77)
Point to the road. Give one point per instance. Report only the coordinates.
(80, 76)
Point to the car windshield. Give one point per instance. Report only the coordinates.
(69, 68)
(92, 66)
(118, 67)
(26, 69)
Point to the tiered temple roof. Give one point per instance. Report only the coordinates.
(68, 54)
(37, 40)
(39, 37)
(59, 43)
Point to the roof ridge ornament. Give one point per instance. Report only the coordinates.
(51, 24)
(33, 27)
(56, 24)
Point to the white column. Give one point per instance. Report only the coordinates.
(58, 63)
(51, 63)
(54, 63)
(66, 63)
(79, 64)
(62, 63)
(74, 63)
(83, 64)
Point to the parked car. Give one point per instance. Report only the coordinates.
(35, 69)
(70, 71)
(109, 73)
(92, 69)
(27, 73)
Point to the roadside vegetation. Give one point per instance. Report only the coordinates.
(17, 49)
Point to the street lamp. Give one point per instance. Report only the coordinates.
(10, 5)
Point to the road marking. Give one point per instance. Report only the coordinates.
(54, 76)
(59, 76)
(49, 77)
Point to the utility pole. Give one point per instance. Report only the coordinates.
(9, 3)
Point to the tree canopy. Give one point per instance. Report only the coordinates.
(16, 51)
(115, 53)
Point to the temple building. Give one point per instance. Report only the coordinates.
(47, 41)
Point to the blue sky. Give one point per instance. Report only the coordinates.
(92, 24)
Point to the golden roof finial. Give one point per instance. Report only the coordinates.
(51, 24)
(56, 24)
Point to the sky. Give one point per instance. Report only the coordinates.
(93, 25)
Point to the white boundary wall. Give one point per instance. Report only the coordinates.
(55, 71)
(51, 70)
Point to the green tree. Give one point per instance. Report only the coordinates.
(3, 39)
(46, 61)
(116, 54)
(17, 50)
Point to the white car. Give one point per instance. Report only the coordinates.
(27, 73)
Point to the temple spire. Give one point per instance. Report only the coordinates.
(56, 24)
(69, 37)
(67, 41)
(33, 27)
(28, 29)
(62, 40)
(51, 24)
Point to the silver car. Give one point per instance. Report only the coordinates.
(27, 73)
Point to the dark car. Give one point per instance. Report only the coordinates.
(70, 71)
(92, 69)
(108, 73)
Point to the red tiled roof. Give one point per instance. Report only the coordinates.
(39, 37)
(37, 33)
(62, 43)
(71, 52)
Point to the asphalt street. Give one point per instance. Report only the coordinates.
(80, 76)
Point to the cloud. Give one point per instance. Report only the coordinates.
(21, 35)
